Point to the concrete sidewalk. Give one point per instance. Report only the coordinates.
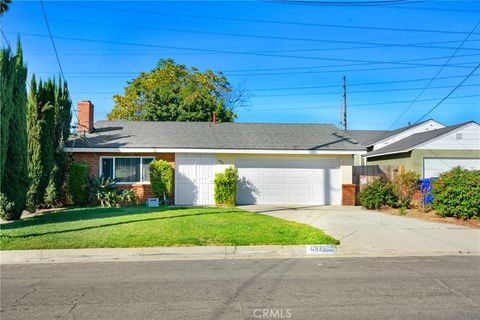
(194, 253)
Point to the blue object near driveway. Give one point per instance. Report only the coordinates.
(426, 188)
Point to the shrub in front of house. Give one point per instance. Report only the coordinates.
(129, 197)
(103, 191)
(161, 179)
(378, 194)
(77, 180)
(225, 189)
(457, 193)
(405, 185)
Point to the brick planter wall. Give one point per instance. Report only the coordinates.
(348, 194)
(143, 190)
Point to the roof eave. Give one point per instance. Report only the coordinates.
(214, 150)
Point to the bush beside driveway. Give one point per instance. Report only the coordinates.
(149, 227)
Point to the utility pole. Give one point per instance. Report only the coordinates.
(340, 104)
(344, 102)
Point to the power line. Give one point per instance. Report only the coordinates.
(220, 51)
(312, 87)
(434, 77)
(73, 110)
(10, 48)
(374, 3)
(448, 95)
(51, 38)
(288, 68)
(305, 94)
(6, 40)
(257, 36)
(311, 73)
(358, 91)
(359, 104)
(130, 11)
(351, 85)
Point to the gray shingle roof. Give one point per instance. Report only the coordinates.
(198, 135)
(410, 142)
(370, 137)
(365, 136)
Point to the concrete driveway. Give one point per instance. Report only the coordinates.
(363, 231)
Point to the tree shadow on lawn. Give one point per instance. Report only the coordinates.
(111, 224)
(82, 214)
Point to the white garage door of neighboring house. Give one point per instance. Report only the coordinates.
(289, 181)
(194, 179)
(432, 167)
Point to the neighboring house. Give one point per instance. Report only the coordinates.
(277, 163)
(428, 148)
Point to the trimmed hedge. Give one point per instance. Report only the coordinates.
(457, 193)
(161, 178)
(225, 190)
(78, 179)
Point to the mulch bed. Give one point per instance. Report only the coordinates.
(432, 216)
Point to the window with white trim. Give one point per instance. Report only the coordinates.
(126, 169)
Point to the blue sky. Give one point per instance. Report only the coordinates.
(290, 58)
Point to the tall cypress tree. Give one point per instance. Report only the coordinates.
(35, 124)
(61, 131)
(7, 75)
(49, 128)
(15, 180)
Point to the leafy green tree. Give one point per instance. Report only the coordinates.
(14, 181)
(172, 92)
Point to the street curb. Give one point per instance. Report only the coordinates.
(195, 253)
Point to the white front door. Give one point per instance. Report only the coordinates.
(433, 167)
(314, 181)
(194, 179)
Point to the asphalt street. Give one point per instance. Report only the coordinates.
(318, 288)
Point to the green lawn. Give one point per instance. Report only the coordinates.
(150, 227)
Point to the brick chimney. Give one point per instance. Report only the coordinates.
(85, 117)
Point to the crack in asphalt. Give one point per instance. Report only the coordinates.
(74, 304)
(446, 286)
(240, 288)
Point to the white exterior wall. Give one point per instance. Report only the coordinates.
(346, 161)
(427, 126)
(220, 161)
(469, 140)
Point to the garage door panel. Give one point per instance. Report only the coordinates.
(433, 167)
(289, 181)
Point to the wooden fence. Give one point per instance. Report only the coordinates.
(362, 175)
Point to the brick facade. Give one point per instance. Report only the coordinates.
(348, 194)
(143, 190)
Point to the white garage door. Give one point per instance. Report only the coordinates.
(194, 179)
(289, 181)
(432, 167)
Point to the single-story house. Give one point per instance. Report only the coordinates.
(428, 148)
(307, 164)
